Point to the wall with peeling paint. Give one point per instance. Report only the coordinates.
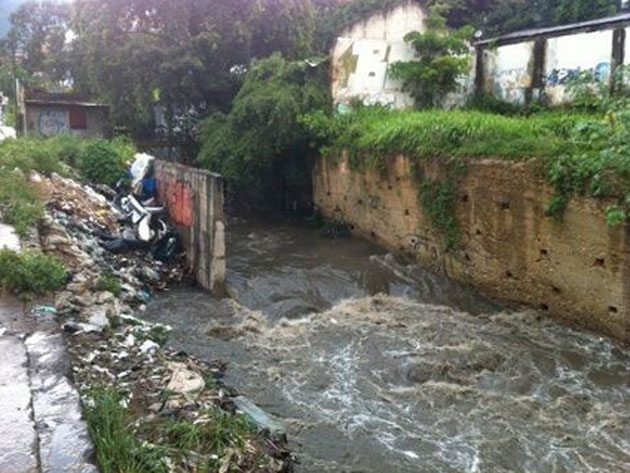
(194, 199)
(517, 68)
(508, 71)
(363, 53)
(538, 65)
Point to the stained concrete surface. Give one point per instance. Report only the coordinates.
(41, 426)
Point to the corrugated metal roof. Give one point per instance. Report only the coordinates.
(600, 23)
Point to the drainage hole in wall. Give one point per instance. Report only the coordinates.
(360, 201)
(407, 212)
(464, 198)
(556, 290)
(373, 234)
(390, 187)
(505, 205)
(600, 262)
(612, 309)
(478, 232)
(467, 256)
(508, 274)
(544, 307)
(544, 252)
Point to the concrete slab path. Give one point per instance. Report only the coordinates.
(41, 425)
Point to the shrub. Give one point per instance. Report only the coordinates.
(30, 272)
(444, 57)
(103, 162)
(261, 146)
(20, 205)
(29, 154)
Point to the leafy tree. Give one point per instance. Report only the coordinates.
(496, 17)
(443, 57)
(260, 146)
(37, 39)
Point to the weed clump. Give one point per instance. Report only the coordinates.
(110, 283)
(124, 444)
(30, 272)
(117, 448)
(20, 204)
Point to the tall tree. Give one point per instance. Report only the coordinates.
(37, 39)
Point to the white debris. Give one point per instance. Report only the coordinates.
(149, 346)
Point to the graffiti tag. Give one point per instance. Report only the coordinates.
(178, 198)
(599, 73)
(52, 122)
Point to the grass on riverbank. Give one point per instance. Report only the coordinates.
(126, 444)
(374, 133)
(30, 272)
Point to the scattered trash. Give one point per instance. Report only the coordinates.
(45, 309)
(262, 419)
(149, 346)
(101, 231)
(185, 381)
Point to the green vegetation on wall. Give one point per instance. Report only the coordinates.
(261, 146)
(577, 153)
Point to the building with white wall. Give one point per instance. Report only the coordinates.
(363, 53)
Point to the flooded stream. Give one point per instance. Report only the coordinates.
(378, 366)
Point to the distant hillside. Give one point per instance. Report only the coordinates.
(6, 8)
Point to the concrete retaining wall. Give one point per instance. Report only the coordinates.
(194, 199)
(577, 270)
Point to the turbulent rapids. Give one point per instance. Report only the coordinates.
(377, 366)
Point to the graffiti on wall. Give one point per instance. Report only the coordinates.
(178, 198)
(600, 73)
(52, 122)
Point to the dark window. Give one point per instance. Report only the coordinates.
(78, 118)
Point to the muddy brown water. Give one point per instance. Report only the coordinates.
(378, 366)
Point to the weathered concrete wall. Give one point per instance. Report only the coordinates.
(539, 65)
(578, 270)
(567, 56)
(52, 120)
(364, 52)
(508, 71)
(517, 68)
(194, 199)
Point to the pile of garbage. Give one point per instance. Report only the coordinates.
(120, 251)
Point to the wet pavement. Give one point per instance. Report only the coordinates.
(41, 426)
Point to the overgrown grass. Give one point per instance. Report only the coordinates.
(124, 444)
(369, 134)
(210, 436)
(109, 282)
(118, 449)
(20, 205)
(578, 153)
(30, 272)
